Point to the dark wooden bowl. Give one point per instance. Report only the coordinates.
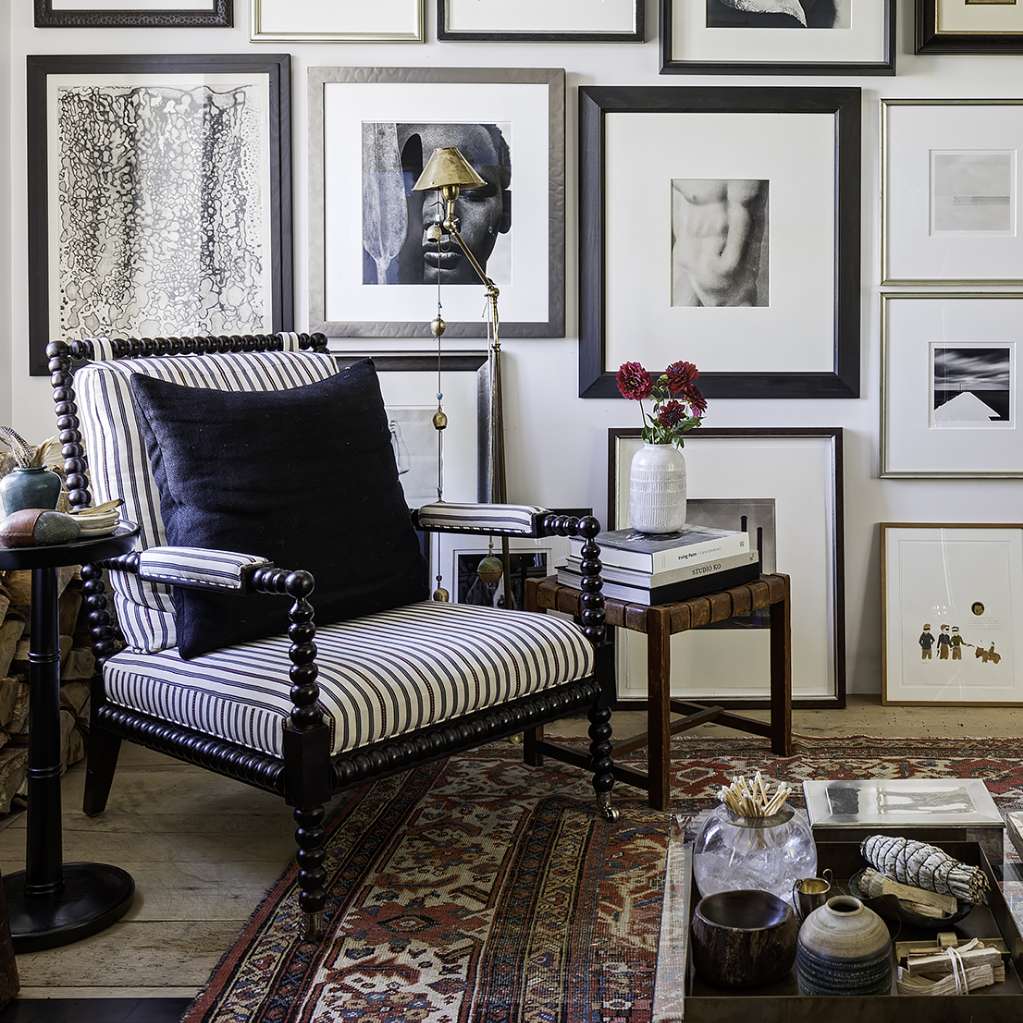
(743, 939)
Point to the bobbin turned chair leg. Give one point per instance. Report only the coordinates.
(600, 757)
(312, 878)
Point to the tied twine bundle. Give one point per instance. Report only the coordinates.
(753, 798)
(925, 866)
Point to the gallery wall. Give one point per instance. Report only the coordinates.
(5, 220)
(557, 443)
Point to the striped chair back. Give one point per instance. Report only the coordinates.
(114, 448)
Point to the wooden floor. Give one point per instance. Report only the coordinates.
(203, 850)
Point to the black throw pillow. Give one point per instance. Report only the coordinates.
(304, 477)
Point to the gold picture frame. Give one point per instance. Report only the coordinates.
(258, 34)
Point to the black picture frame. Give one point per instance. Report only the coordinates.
(836, 435)
(638, 35)
(220, 16)
(276, 66)
(927, 39)
(595, 102)
(670, 66)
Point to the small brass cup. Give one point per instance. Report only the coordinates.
(810, 893)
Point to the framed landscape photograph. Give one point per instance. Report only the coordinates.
(727, 217)
(610, 21)
(159, 196)
(783, 487)
(950, 385)
(372, 272)
(969, 26)
(952, 612)
(778, 37)
(950, 179)
(327, 21)
(134, 13)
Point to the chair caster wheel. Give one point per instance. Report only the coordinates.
(607, 811)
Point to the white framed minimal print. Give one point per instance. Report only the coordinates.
(372, 271)
(783, 487)
(950, 210)
(610, 21)
(952, 613)
(328, 20)
(950, 384)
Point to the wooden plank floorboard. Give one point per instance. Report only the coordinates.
(110, 1010)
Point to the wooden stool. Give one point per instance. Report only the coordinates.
(660, 624)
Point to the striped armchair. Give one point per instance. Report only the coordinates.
(313, 710)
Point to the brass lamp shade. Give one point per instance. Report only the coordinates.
(447, 167)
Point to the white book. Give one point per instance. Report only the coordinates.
(695, 570)
(664, 552)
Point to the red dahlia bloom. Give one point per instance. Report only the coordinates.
(697, 402)
(672, 413)
(633, 381)
(681, 376)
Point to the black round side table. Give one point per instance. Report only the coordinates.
(50, 902)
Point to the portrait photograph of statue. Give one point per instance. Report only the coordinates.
(395, 218)
(778, 13)
(720, 245)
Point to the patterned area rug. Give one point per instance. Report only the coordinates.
(477, 890)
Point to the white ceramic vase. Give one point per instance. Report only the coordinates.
(657, 489)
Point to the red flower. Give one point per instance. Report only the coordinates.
(672, 414)
(697, 402)
(633, 381)
(681, 377)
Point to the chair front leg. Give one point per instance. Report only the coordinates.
(600, 733)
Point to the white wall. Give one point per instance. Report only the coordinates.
(5, 217)
(558, 442)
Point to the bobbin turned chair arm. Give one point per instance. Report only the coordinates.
(529, 521)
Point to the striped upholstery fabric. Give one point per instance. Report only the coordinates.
(381, 676)
(512, 519)
(184, 565)
(118, 466)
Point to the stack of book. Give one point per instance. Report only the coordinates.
(666, 567)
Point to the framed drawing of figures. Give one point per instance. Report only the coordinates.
(611, 21)
(721, 225)
(134, 13)
(950, 385)
(952, 606)
(159, 196)
(327, 21)
(950, 180)
(372, 273)
(784, 487)
(969, 26)
(778, 37)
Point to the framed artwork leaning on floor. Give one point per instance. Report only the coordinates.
(952, 613)
(785, 487)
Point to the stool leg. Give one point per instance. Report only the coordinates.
(781, 678)
(659, 708)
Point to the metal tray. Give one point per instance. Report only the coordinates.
(681, 997)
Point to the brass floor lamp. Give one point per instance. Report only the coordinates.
(448, 172)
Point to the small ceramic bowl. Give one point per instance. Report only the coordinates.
(743, 939)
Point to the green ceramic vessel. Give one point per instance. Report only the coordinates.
(29, 488)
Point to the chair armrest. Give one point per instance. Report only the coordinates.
(190, 567)
(486, 519)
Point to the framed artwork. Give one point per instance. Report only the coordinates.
(969, 26)
(408, 382)
(328, 21)
(952, 606)
(778, 37)
(134, 13)
(950, 179)
(699, 240)
(611, 21)
(784, 487)
(950, 385)
(372, 274)
(159, 197)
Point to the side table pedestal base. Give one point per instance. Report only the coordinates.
(93, 896)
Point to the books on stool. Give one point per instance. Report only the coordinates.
(662, 568)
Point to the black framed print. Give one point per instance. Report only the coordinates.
(539, 21)
(371, 132)
(721, 226)
(969, 26)
(159, 196)
(778, 37)
(134, 14)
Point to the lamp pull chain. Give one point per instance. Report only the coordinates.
(440, 418)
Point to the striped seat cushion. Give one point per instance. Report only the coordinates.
(381, 676)
(512, 519)
(119, 467)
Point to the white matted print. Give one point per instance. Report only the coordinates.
(371, 133)
(999, 17)
(383, 20)
(787, 484)
(540, 17)
(952, 613)
(132, 6)
(950, 385)
(951, 186)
